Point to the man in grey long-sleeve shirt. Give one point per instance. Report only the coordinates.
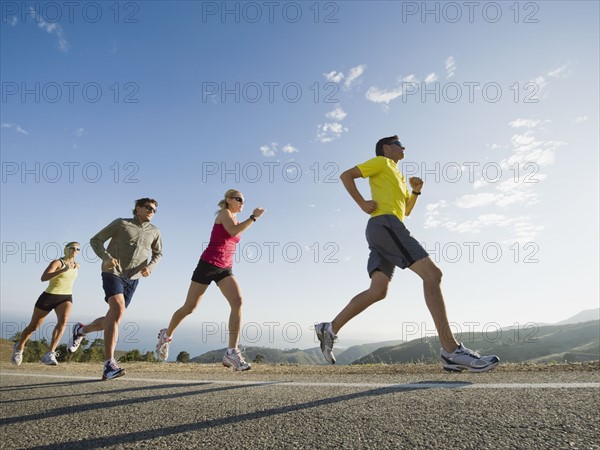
(124, 261)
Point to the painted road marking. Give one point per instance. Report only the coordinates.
(416, 385)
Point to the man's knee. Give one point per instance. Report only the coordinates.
(379, 285)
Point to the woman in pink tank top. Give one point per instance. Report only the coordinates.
(216, 264)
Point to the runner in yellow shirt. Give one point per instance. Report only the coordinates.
(392, 245)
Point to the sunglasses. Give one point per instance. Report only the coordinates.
(398, 143)
(239, 199)
(75, 248)
(150, 208)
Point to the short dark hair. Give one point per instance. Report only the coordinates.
(384, 141)
(143, 201)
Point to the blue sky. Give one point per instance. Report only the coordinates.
(181, 101)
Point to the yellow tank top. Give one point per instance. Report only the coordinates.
(62, 284)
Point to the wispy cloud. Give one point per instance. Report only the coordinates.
(52, 28)
(272, 149)
(431, 78)
(334, 76)
(330, 131)
(513, 183)
(79, 132)
(524, 123)
(353, 78)
(450, 67)
(269, 151)
(337, 114)
(581, 119)
(289, 148)
(15, 127)
(560, 72)
(376, 95)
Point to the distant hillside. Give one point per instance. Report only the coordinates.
(270, 356)
(574, 343)
(355, 352)
(584, 316)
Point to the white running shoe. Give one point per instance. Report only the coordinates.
(162, 347)
(75, 338)
(111, 370)
(235, 360)
(465, 359)
(17, 356)
(49, 359)
(327, 339)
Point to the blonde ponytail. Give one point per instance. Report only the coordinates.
(223, 203)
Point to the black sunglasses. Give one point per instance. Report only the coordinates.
(150, 208)
(239, 199)
(75, 248)
(398, 143)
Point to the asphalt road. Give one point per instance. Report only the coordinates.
(317, 408)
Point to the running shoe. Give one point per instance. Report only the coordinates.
(75, 338)
(17, 356)
(162, 347)
(111, 370)
(49, 359)
(235, 360)
(327, 339)
(465, 359)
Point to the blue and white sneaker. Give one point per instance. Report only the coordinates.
(465, 359)
(111, 370)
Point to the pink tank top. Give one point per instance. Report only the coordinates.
(221, 248)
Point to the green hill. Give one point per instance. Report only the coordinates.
(355, 352)
(269, 356)
(573, 343)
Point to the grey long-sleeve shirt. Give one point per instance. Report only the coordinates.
(130, 242)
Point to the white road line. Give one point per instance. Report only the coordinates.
(416, 385)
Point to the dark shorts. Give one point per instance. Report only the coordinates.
(114, 285)
(205, 273)
(391, 245)
(48, 302)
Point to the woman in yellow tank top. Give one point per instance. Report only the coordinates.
(58, 296)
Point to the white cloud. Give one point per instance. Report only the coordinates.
(52, 28)
(410, 79)
(330, 131)
(560, 72)
(337, 114)
(334, 76)
(514, 185)
(289, 148)
(450, 67)
(15, 127)
(431, 78)
(78, 132)
(353, 76)
(269, 151)
(581, 119)
(477, 200)
(524, 123)
(377, 95)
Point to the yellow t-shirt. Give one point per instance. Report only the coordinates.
(388, 186)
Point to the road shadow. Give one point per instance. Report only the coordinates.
(136, 436)
(83, 407)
